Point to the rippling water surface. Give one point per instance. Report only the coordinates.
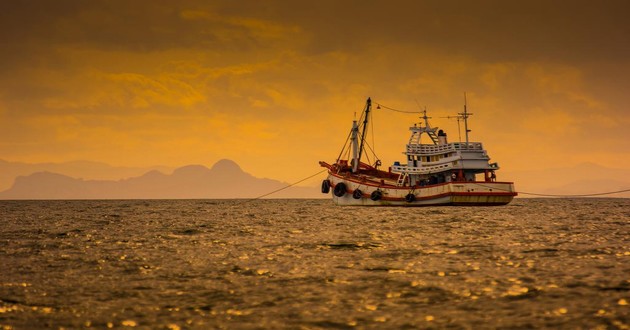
(536, 263)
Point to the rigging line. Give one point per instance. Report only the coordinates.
(348, 151)
(392, 109)
(344, 146)
(348, 138)
(285, 187)
(367, 156)
(558, 195)
(372, 127)
(577, 195)
(372, 150)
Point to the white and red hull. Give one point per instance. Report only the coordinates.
(447, 193)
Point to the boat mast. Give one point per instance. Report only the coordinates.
(430, 131)
(365, 122)
(355, 152)
(465, 115)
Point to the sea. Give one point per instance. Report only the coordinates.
(309, 264)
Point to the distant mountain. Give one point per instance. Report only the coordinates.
(224, 180)
(76, 169)
(585, 178)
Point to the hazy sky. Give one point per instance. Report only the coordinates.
(274, 85)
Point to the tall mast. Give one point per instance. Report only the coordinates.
(355, 148)
(465, 115)
(365, 122)
(430, 131)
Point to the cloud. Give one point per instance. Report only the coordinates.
(280, 81)
(140, 91)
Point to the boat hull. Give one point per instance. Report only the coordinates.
(448, 193)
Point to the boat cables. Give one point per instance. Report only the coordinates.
(558, 195)
(378, 106)
(285, 187)
(578, 195)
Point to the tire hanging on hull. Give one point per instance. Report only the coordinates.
(340, 189)
(325, 186)
(376, 195)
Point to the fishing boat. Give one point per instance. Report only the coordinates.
(436, 172)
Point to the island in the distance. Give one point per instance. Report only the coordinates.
(225, 179)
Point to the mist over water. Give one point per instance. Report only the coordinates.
(176, 264)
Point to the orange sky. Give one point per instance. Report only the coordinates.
(274, 85)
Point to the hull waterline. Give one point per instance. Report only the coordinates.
(450, 193)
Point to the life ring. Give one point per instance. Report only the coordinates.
(376, 195)
(340, 189)
(325, 186)
(357, 194)
(410, 197)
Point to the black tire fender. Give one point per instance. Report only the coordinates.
(376, 195)
(340, 189)
(325, 186)
(357, 194)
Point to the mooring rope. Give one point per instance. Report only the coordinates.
(285, 187)
(576, 195)
(558, 195)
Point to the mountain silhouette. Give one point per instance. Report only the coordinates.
(75, 169)
(226, 166)
(224, 180)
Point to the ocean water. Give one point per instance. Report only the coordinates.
(307, 264)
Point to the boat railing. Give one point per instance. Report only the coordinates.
(467, 146)
(421, 170)
(429, 149)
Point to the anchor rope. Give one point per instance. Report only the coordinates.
(285, 187)
(558, 195)
(576, 195)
